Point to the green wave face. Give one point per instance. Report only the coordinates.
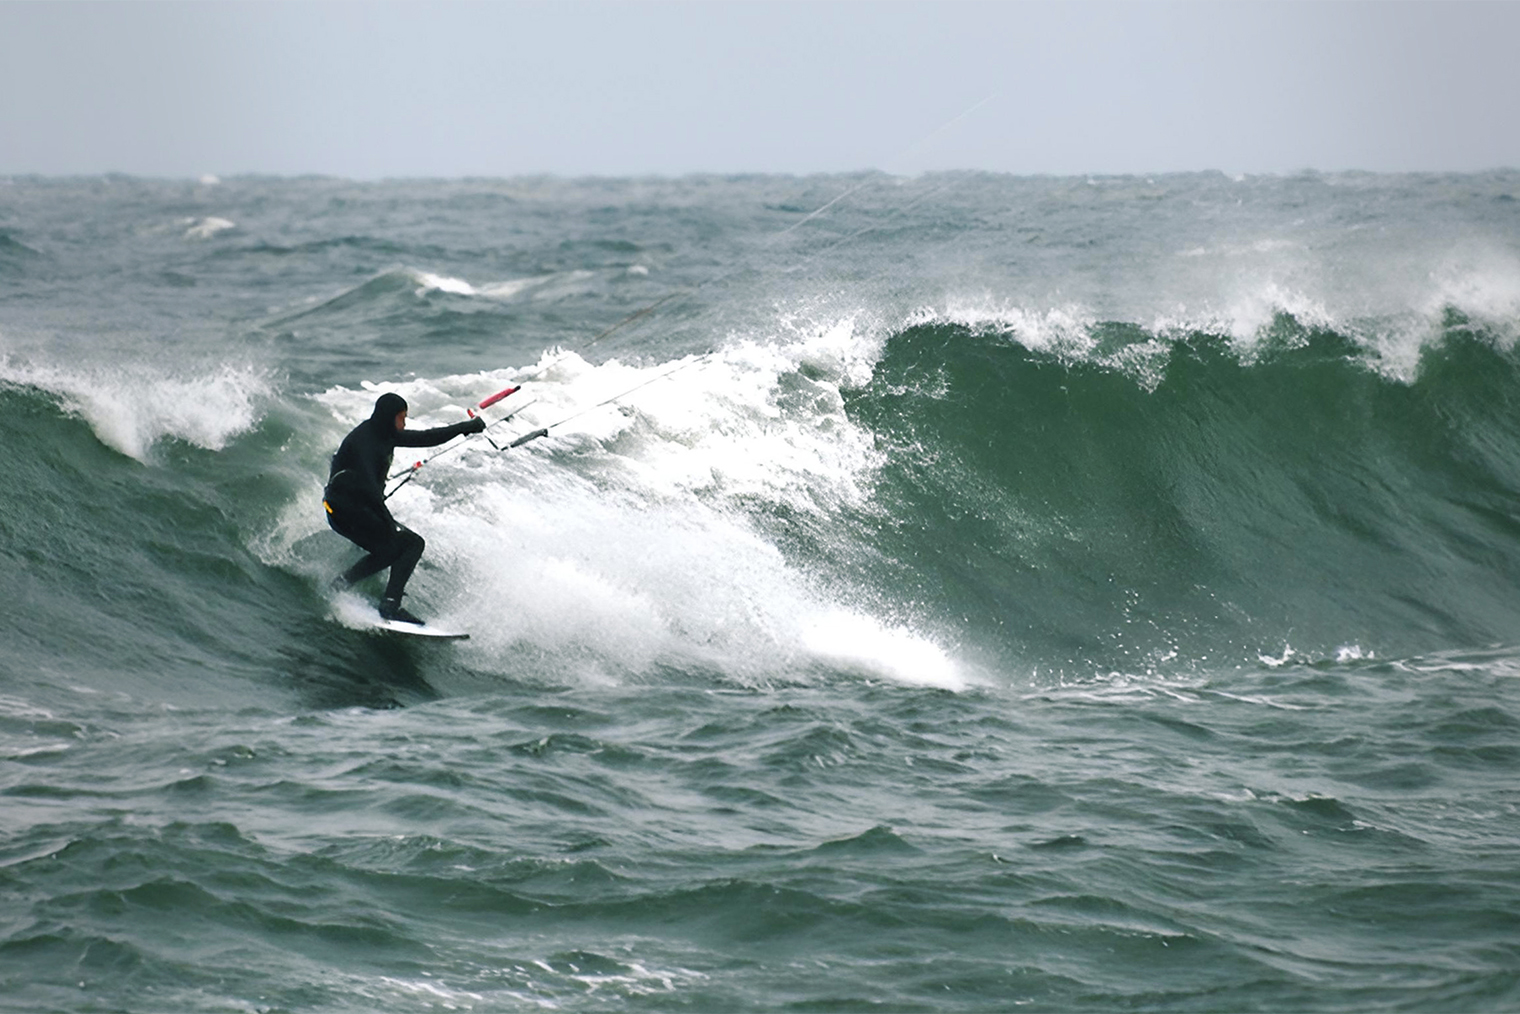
(1208, 503)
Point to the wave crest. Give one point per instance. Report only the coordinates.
(131, 408)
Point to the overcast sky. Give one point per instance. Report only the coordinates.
(450, 89)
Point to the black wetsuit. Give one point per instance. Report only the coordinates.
(355, 493)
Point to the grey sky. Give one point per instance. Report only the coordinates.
(370, 90)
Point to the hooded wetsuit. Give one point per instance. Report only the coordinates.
(355, 493)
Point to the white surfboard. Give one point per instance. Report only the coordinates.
(358, 614)
(419, 630)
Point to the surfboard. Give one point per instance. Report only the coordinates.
(418, 630)
(357, 614)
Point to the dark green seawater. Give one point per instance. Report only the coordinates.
(992, 594)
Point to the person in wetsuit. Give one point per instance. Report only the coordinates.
(355, 498)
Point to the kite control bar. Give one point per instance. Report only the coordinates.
(487, 403)
(409, 474)
(543, 431)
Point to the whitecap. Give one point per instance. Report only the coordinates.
(205, 228)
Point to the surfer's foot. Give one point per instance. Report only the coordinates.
(391, 609)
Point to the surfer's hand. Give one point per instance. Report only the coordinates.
(475, 425)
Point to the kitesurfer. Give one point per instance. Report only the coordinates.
(355, 498)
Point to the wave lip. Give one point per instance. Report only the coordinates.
(133, 407)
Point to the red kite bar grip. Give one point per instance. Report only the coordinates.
(493, 399)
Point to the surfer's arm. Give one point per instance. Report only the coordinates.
(438, 435)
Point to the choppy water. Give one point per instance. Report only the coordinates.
(1060, 594)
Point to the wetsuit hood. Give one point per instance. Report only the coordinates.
(387, 408)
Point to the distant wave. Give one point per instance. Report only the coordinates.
(205, 228)
(14, 254)
(378, 293)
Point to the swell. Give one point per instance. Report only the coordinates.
(1175, 494)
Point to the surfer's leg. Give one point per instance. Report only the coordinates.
(400, 552)
(374, 534)
(407, 546)
(372, 563)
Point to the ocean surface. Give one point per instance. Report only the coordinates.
(955, 593)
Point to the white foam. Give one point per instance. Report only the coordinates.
(428, 281)
(1275, 663)
(205, 228)
(511, 287)
(1065, 332)
(1255, 247)
(852, 640)
(1060, 330)
(1392, 332)
(1386, 286)
(16, 707)
(1247, 313)
(1482, 282)
(435, 990)
(132, 407)
(353, 611)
